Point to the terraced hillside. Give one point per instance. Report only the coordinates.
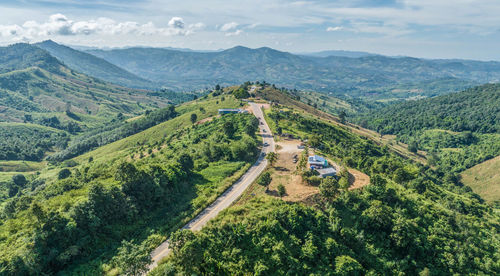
(94, 66)
(38, 90)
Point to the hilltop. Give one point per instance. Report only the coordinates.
(397, 223)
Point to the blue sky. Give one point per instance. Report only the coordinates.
(422, 28)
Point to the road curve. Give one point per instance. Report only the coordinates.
(232, 193)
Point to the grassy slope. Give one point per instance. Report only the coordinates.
(484, 179)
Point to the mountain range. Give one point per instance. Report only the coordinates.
(370, 77)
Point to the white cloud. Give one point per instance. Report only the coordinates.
(60, 25)
(235, 33)
(333, 29)
(176, 22)
(229, 26)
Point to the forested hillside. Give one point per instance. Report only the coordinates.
(476, 109)
(367, 77)
(458, 130)
(409, 220)
(72, 218)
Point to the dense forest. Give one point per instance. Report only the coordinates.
(476, 110)
(409, 220)
(29, 142)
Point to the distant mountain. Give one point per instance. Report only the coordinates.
(32, 80)
(337, 53)
(94, 66)
(373, 77)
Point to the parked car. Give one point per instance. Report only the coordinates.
(266, 144)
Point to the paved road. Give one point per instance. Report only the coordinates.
(231, 194)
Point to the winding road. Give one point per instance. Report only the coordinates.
(232, 193)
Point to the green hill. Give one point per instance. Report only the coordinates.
(458, 130)
(94, 66)
(104, 211)
(38, 89)
(409, 220)
(71, 218)
(368, 77)
(476, 109)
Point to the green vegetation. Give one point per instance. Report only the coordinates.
(28, 141)
(109, 134)
(409, 220)
(76, 219)
(459, 130)
(483, 179)
(474, 110)
(38, 90)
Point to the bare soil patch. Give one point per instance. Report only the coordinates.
(357, 179)
(284, 173)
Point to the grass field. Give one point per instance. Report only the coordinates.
(484, 179)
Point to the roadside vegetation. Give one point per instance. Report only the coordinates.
(73, 217)
(410, 220)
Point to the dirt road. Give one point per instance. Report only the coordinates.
(231, 194)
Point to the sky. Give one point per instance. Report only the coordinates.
(467, 29)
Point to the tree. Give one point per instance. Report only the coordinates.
(265, 179)
(272, 157)
(314, 141)
(401, 175)
(194, 117)
(133, 259)
(413, 147)
(346, 265)
(64, 173)
(241, 93)
(186, 162)
(329, 187)
(19, 180)
(281, 190)
(342, 116)
(229, 129)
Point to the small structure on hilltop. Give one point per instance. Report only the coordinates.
(317, 162)
(320, 164)
(325, 172)
(223, 111)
